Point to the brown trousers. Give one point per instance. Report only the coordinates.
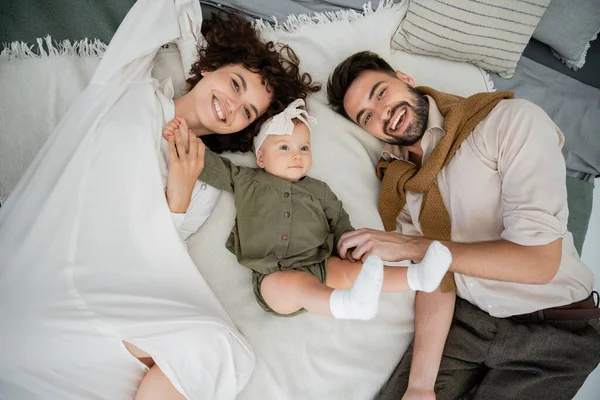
(505, 359)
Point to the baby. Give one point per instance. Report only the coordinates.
(288, 225)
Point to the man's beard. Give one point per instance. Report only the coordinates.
(414, 130)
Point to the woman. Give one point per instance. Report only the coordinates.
(236, 83)
(89, 257)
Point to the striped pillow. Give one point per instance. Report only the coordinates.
(491, 34)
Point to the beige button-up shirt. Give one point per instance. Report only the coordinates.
(506, 181)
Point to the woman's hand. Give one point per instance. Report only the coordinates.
(185, 165)
(390, 246)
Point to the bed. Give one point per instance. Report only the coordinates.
(308, 356)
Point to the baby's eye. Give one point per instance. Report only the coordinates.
(235, 85)
(305, 148)
(284, 147)
(380, 95)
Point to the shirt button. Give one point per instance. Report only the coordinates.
(280, 257)
(470, 284)
(286, 214)
(286, 195)
(490, 306)
(284, 237)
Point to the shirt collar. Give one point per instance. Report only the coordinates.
(270, 179)
(433, 133)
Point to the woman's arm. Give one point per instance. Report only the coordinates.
(184, 169)
(148, 25)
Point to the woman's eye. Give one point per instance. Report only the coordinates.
(380, 95)
(367, 118)
(235, 85)
(247, 112)
(284, 147)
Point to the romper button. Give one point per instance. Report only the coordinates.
(284, 237)
(280, 257)
(286, 195)
(286, 214)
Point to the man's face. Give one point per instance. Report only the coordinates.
(388, 107)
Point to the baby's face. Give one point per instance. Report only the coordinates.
(287, 156)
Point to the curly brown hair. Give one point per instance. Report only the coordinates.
(232, 40)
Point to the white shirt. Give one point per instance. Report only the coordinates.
(204, 197)
(506, 181)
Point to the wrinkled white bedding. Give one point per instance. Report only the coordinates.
(89, 255)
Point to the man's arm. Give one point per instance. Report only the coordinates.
(433, 316)
(497, 260)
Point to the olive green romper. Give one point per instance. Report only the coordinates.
(280, 225)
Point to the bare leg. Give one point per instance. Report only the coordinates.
(341, 274)
(156, 386)
(289, 291)
(139, 354)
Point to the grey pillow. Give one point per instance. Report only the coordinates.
(491, 35)
(568, 26)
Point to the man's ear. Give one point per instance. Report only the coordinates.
(260, 159)
(405, 78)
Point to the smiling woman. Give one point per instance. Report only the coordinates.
(237, 83)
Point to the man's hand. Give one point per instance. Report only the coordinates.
(184, 166)
(418, 394)
(390, 246)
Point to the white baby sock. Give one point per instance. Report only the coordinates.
(427, 275)
(361, 301)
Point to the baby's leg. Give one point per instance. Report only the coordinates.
(341, 274)
(286, 292)
(425, 276)
(289, 291)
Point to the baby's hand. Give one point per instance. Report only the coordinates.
(169, 129)
(177, 125)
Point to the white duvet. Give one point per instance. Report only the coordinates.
(89, 255)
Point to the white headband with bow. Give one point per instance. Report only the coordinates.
(283, 123)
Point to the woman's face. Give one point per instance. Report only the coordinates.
(229, 99)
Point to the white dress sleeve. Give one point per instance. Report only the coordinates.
(190, 38)
(149, 25)
(204, 200)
